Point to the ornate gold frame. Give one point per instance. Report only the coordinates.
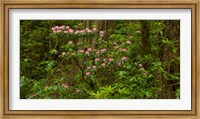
(189, 4)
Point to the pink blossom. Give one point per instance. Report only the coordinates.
(122, 43)
(54, 31)
(115, 43)
(87, 52)
(96, 59)
(128, 42)
(72, 54)
(103, 64)
(87, 73)
(124, 58)
(53, 28)
(88, 67)
(116, 47)
(104, 59)
(65, 31)
(140, 65)
(110, 59)
(101, 33)
(81, 51)
(82, 31)
(94, 67)
(70, 42)
(94, 29)
(56, 27)
(104, 49)
(76, 32)
(58, 31)
(71, 30)
(61, 27)
(89, 31)
(63, 53)
(97, 52)
(67, 27)
(89, 49)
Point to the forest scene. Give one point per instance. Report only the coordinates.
(99, 59)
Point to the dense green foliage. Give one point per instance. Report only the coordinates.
(75, 60)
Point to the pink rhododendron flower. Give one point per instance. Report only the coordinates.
(81, 51)
(58, 31)
(82, 31)
(97, 52)
(71, 30)
(76, 32)
(72, 54)
(65, 31)
(87, 52)
(70, 42)
(63, 53)
(104, 59)
(124, 58)
(104, 49)
(67, 27)
(128, 42)
(110, 59)
(140, 65)
(94, 29)
(53, 28)
(56, 27)
(103, 64)
(89, 49)
(115, 43)
(62, 27)
(116, 47)
(101, 33)
(89, 31)
(88, 67)
(94, 67)
(96, 59)
(87, 73)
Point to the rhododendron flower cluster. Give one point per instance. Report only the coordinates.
(87, 73)
(81, 51)
(70, 42)
(101, 33)
(124, 58)
(100, 57)
(67, 29)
